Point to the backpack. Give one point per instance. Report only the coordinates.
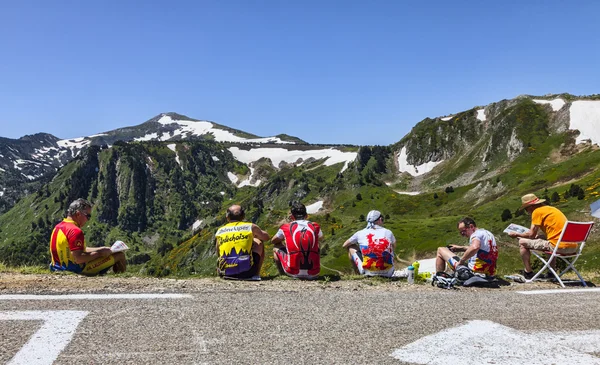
(463, 276)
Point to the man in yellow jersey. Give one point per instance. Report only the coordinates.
(546, 219)
(240, 247)
(69, 251)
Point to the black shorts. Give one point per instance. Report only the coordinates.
(250, 273)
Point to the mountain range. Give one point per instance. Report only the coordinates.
(162, 185)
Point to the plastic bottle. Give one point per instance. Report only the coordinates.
(411, 275)
(416, 266)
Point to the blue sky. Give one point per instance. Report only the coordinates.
(358, 72)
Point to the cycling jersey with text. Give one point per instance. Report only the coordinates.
(235, 248)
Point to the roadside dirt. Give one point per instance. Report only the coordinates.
(13, 283)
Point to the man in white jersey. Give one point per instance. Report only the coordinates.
(480, 255)
(371, 250)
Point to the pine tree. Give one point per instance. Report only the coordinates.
(555, 197)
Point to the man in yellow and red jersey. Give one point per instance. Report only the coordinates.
(69, 251)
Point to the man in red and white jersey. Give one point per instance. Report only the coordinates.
(296, 245)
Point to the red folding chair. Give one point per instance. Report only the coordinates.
(573, 232)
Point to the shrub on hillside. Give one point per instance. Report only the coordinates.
(506, 215)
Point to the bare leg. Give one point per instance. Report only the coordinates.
(525, 256)
(120, 263)
(276, 260)
(259, 248)
(443, 255)
(352, 250)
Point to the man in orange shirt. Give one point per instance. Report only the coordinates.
(69, 251)
(550, 221)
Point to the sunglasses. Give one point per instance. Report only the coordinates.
(87, 215)
(463, 231)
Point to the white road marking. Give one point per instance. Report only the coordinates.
(559, 291)
(48, 342)
(92, 296)
(486, 342)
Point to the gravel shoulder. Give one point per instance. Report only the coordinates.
(16, 283)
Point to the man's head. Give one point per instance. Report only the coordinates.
(235, 213)
(466, 226)
(298, 211)
(374, 217)
(530, 202)
(80, 211)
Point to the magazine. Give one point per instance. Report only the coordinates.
(118, 246)
(515, 228)
(595, 209)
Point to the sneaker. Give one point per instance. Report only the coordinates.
(527, 275)
(547, 276)
(255, 278)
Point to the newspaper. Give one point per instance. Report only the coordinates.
(515, 228)
(118, 246)
(595, 209)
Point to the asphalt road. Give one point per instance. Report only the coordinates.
(263, 323)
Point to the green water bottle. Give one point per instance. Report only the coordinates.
(416, 266)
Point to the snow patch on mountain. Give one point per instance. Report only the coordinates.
(585, 117)
(149, 137)
(248, 181)
(404, 166)
(556, 104)
(171, 146)
(78, 143)
(277, 155)
(199, 128)
(408, 192)
(196, 224)
(445, 119)
(42, 153)
(234, 179)
(98, 135)
(315, 207)
(481, 114)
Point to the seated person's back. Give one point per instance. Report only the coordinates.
(296, 245)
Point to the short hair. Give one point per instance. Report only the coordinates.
(235, 215)
(467, 221)
(78, 205)
(298, 210)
